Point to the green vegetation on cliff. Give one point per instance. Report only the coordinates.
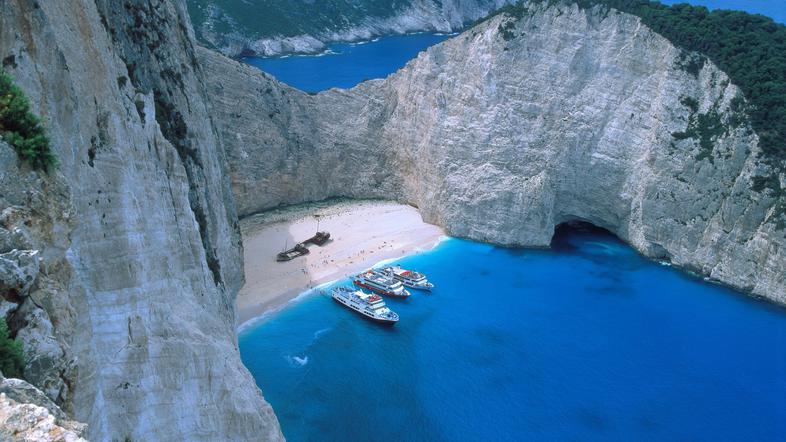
(750, 48)
(22, 129)
(12, 360)
(287, 18)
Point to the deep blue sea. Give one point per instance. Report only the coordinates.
(346, 64)
(587, 341)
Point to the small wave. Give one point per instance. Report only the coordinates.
(321, 332)
(326, 52)
(255, 321)
(297, 360)
(440, 240)
(386, 262)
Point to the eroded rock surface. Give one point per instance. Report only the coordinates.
(129, 325)
(27, 414)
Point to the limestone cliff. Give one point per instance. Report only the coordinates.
(518, 125)
(130, 252)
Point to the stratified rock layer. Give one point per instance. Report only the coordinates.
(130, 323)
(516, 126)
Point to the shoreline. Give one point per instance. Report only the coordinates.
(326, 50)
(363, 233)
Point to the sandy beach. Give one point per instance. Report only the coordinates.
(362, 234)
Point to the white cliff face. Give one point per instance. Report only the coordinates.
(140, 253)
(516, 126)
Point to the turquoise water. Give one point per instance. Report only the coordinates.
(587, 341)
(346, 64)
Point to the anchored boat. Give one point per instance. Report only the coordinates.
(367, 304)
(409, 278)
(380, 283)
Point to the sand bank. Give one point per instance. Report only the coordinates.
(363, 233)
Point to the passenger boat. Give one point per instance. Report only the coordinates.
(409, 278)
(380, 283)
(369, 305)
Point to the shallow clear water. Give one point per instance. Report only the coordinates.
(346, 64)
(588, 341)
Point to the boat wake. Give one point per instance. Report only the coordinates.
(302, 359)
(297, 360)
(319, 333)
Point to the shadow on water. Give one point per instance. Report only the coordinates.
(567, 236)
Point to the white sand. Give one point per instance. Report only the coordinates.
(362, 234)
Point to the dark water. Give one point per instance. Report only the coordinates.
(346, 64)
(587, 341)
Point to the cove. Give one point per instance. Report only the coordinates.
(344, 65)
(585, 341)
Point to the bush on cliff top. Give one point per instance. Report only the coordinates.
(12, 360)
(21, 128)
(749, 48)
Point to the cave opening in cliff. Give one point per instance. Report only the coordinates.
(565, 231)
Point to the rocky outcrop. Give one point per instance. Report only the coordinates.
(129, 325)
(518, 125)
(27, 414)
(36, 219)
(237, 27)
